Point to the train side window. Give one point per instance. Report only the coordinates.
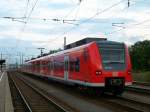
(50, 66)
(77, 65)
(72, 63)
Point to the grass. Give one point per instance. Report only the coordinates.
(141, 76)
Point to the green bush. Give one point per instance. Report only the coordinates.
(140, 55)
(142, 76)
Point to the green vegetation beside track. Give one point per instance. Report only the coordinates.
(141, 76)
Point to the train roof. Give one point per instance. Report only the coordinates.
(80, 44)
(84, 41)
(64, 51)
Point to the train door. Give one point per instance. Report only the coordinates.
(66, 67)
(52, 66)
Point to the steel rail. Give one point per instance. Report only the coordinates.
(141, 83)
(59, 107)
(21, 95)
(138, 90)
(129, 104)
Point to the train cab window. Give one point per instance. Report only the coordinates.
(113, 56)
(77, 65)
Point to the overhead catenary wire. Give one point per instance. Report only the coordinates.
(88, 19)
(26, 10)
(24, 24)
(129, 26)
(30, 13)
(78, 9)
(100, 12)
(124, 27)
(25, 18)
(26, 21)
(22, 20)
(65, 32)
(64, 21)
(97, 13)
(76, 13)
(116, 16)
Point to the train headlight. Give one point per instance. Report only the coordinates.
(98, 72)
(129, 72)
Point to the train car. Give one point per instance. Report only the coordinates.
(92, 63)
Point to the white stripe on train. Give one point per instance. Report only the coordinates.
(77, 81)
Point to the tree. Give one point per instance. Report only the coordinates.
(140, 55)
(55, 51)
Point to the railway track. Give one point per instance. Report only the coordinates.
(124, 103)
(128, 104)
(140, 87)
(133, 103)
(138, 90)
(17, 98)
(29, 99)
(141, 83)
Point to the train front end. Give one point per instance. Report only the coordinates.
(115, 67)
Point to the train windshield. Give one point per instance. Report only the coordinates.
(113, 56)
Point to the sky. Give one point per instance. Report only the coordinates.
(26, 25)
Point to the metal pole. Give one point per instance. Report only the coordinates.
(41, 49)
(128, 3)
(64, 42)
(1, 59)
(1, 55)
(22, 58)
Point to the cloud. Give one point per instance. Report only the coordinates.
(50, 34)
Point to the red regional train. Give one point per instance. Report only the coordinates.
(91, 63)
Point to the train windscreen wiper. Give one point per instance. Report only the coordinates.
(111, 62)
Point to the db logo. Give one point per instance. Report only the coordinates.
(115, 74)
